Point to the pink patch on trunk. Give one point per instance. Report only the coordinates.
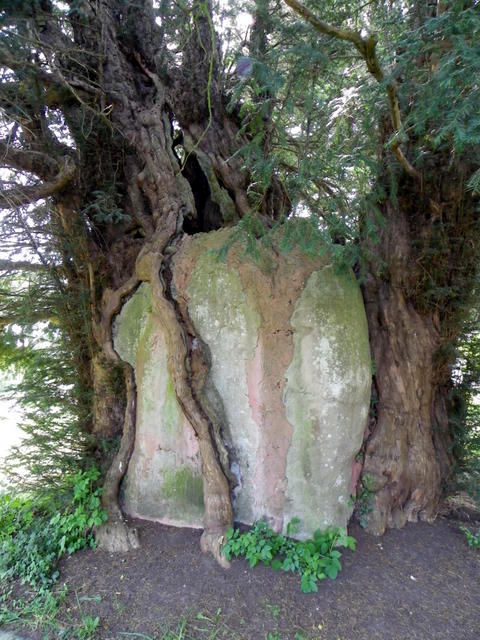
(355, 477)
(254, 373)
(254, 383)
(190, 440)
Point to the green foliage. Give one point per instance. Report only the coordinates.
(88, 624)
(473, 539)
(44, 352)
(33, 536)
(43, 611)
(464, 413)
(314, 559)
(104, 208)
(446, 97)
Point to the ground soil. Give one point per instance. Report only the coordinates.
(418, 583)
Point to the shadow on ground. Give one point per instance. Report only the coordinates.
(418, 583)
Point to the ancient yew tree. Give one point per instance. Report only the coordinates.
(421, 262)
(128, 121)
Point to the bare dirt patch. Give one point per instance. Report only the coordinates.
(418, 583)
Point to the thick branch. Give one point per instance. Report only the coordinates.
(37, 162)
(19, 196)
(323, 27)
(47, 78)
(114, 535)
(111, 305)
(31, 318)
(218, 514)
(8, 265)
(366, 47)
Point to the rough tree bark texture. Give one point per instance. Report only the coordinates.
(160, 196)
(425, 239)
(419, 274)
(401, 454)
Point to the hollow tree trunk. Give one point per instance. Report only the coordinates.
(153, 267)
(208, 191)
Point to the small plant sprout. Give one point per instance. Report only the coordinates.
(473, 539)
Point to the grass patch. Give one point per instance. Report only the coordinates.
(205, 626)
(45, 612)
(200, 626)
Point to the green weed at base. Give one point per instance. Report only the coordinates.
(202, 626)
(43, 611)
(87, 627)
(34, 535)
(473, 539)
(314, 559)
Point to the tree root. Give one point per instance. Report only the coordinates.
(116, 537)
(212, 542)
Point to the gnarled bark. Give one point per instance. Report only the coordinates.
(216, 492)
(115, 535)
(121, 92)
(401, 455)
(414, 294)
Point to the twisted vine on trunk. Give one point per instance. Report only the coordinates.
(218, 515)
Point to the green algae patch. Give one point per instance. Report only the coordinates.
(171, 410)
(218, 301)
(130, 323)
(330, 375)
(183, 490)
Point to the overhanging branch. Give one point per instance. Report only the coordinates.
(32, 318)
(366, 47)
(46, 77)
(35, 162)
(19, 196)
(21, 265)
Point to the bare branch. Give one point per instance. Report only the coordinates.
(31, 318)
(48, 78)
(366, 47)
(18, 196)
(21, 265)
(35, 162)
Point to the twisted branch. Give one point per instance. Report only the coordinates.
(22, 195)
(366, 47)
